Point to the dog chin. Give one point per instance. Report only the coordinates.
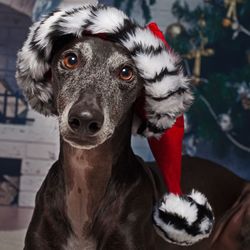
(85, 144)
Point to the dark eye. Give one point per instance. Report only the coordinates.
(70, 61)
(126, 73)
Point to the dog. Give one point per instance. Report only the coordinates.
(88, 66)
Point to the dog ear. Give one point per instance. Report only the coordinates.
(36, 85)
(38, 93)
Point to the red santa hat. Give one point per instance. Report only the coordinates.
(179, 219)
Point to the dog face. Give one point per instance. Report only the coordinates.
(94, 84)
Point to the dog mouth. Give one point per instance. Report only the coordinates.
(81, 144)
(88, 134)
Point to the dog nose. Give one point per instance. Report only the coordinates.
(85, 122)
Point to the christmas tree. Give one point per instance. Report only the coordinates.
(129, 5)
(214, 40)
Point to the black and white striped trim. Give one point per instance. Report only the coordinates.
(184, 220)
(167, 90)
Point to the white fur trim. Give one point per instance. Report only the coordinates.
(73, 24)
(45, 27)
(196, 224)
(176, 205)
(198, 197)
(144, 37)
(169, 105)
(178, 237)
(107, 21)
(149, 65)
(166, 85)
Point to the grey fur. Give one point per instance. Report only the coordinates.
(94, 80)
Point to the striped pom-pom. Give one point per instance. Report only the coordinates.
(183, 220)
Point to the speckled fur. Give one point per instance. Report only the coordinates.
(95, 79)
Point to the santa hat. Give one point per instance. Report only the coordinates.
(179, 219)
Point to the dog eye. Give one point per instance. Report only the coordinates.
(126, 73)
(70, 61)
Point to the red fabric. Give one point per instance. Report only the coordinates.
(167, 150)
(155, 29)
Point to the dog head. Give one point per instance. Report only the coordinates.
(87, 81)
(94, 84)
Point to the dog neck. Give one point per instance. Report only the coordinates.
(87, 174)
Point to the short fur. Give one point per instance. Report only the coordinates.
(95, 94)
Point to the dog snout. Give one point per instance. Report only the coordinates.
(85, 122)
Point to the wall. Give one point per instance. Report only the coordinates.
(34, 145)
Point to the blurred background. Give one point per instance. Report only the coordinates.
(213, 37)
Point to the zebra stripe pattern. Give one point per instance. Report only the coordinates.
(183, 220)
